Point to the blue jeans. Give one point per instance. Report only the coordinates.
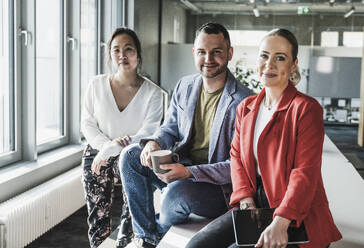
(179, 198)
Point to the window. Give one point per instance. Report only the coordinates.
(88, 42)
(8, 144)
(46, 47)
(329, 39)
(353, 39)
(49, 71)
(5, 92)
(246, 37)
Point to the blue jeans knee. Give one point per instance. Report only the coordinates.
(129, 158)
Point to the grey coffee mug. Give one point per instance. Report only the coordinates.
(163, 157)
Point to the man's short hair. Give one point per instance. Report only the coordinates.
(214, 28)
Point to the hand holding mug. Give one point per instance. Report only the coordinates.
(174, 172)
(161, 157)
(145, 158)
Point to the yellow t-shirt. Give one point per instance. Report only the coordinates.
(203, 119)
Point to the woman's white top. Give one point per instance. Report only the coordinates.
(102, 121)
(264, 116)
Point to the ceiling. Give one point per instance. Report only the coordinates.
(277, 7)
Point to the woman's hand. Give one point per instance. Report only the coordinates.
(110, 149)
(275, 235)
(247, 203)
(123, 141)
(96, 165)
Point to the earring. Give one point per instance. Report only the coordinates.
(295, 77)
(292, 77)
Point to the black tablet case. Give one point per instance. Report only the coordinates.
(249, 224)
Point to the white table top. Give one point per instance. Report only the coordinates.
(345, 191)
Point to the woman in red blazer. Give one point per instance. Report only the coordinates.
(276, 155)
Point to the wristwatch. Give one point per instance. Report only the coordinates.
(246, 205)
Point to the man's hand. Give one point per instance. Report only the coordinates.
(151, 146)
(275, 235)
(177, 172)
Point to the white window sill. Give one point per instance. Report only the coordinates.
(21, 176)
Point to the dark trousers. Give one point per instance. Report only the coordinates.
(98, 193)
(220, 232)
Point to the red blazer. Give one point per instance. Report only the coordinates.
(289, 158)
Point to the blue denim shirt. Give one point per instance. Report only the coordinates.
(175, 132)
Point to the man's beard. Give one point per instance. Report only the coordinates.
(220, 69)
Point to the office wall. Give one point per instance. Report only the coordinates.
(146, 23)
(146, 27)
(174, 22)
(306, 28)
(177, 61)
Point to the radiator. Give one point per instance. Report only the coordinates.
(30, 214)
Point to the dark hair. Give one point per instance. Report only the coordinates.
(289, 36)
(132, 34)
(214, 28)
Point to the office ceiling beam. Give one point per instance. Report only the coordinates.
(273, 7)
(190, 6)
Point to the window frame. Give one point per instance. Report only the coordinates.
(63, 139)
(22, 80)
(14, 153)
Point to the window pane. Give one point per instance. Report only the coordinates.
(49, 70)
(329, 39)
(5, 91)
(246, 37)
(353, 39)
(88, 42)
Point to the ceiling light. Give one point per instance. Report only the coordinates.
(350, 12)
(332, 1)
(267, 1)
(256, 11)
(252, 1)
(283, 1)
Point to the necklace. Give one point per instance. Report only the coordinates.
(269, 107)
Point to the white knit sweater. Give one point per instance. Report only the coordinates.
(101, 120)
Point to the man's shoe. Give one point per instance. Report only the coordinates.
(124, 235)
(140, 243)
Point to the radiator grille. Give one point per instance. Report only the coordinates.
(30, 214)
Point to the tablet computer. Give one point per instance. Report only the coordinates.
(249, 224)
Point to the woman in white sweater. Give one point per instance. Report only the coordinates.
(118, 109)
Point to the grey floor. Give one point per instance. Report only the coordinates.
(72, 232)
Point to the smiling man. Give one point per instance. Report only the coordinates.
(199, 126)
